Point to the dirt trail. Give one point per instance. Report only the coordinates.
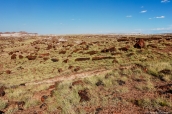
(70, 77)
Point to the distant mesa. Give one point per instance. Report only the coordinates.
(17, 34)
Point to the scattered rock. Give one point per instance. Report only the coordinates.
(120, 82)
(70, 67)
(82, 59)
(2, 112)
(164, 89)
(22, 84)
(45, 58)
(43, 98)
(20, 105)
(20, 57)
(112, 49)
(169, 91)
(98, 110)
(60, 70)
(2, 92)
(101, 58)
(10, 53)
(124, 48)
(99, 83)
(8, 71)
(139, 44)
(130, 54)
(77, 69)
(122, 39)
(83, 43)
(54, 59)
(165, 71)
(49, 47)
(84, 95)
(114, 61)
(20, 68)
(52, 87)
(13, 56)
(76, 50)
(97, 58)
(44, 55)
(62, 52)
(139, 80)
(92, 52)
(66, 60)
(30, 57)
(51, 93)
(43, 106)
(116, 53)
(69, 56)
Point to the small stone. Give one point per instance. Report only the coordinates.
(2, 92)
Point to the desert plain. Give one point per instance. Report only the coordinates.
(86, 74)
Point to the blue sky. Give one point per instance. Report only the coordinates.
(86, 16)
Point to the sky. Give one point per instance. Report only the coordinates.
(86, 16)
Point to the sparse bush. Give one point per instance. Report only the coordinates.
(153, 73)
(144, 103)
(122, 90)
(3, 103)
(31, 103)
(147, 87)
(66, 98)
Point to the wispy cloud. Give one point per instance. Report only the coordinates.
(142, 6)
(160, 17)
(144, 11)
(165, 1)
(163, 28)
(129, 16)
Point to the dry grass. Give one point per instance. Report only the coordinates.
(139, 70)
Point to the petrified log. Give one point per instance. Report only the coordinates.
(2, 92)
(139, 44)
(66, 60)
(20, 57)
(82, 59)
(8, 71)
(62, 52)
(77, 69)
(92, 52)
(30, 57)
(54, 59)
(112, 49)
(124, 48)
(13, 56)
(78, 82)
(84, 95)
